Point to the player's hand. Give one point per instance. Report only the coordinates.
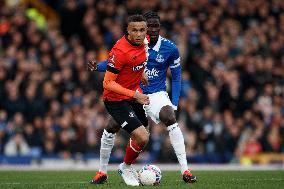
(144, 79)
(141, 98)
(92, 65)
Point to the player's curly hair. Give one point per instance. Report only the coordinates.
(151, 14)
(136, 18)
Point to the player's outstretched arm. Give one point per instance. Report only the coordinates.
(94, 66)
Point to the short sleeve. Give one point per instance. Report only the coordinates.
(115, 61)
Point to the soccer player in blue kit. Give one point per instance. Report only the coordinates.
(163, 54)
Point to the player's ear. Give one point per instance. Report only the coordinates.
(127, 30)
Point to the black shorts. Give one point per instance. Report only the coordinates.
(128, 114)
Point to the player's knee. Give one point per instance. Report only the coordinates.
(112, 126)
(145, 138)
(167, 115)
(141, 137)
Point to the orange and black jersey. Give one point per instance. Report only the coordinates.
(126, 64)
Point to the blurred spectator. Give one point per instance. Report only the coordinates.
(16, 146)
(3, 133)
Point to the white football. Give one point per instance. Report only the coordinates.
(150, 175)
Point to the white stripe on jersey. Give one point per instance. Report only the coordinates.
(177, 60)
(175, 65)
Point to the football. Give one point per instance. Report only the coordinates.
(150, 175)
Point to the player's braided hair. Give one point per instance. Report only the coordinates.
(151, 14)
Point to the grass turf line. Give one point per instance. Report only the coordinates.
(170, 179)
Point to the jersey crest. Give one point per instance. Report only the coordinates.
(160, 58)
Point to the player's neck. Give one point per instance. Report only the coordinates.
(153, 42)
(129, 41)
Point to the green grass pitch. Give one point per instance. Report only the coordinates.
(170, 179)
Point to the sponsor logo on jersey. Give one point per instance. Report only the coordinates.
(151, 73)
(139, 67)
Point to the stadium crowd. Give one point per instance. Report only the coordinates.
(232, 98)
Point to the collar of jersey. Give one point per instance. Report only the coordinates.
(158, 44)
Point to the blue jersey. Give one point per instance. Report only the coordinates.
(162, 56)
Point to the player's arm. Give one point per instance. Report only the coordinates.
(114, 65)
(176, 77)
(111, 85)
(100, 67)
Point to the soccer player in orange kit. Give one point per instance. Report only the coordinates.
(122, 93)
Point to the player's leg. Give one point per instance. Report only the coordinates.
(107, 143)
(161, 110)
(137, 142)
(132, 154)
(167, 116)
(139, 137)
(125, 116)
